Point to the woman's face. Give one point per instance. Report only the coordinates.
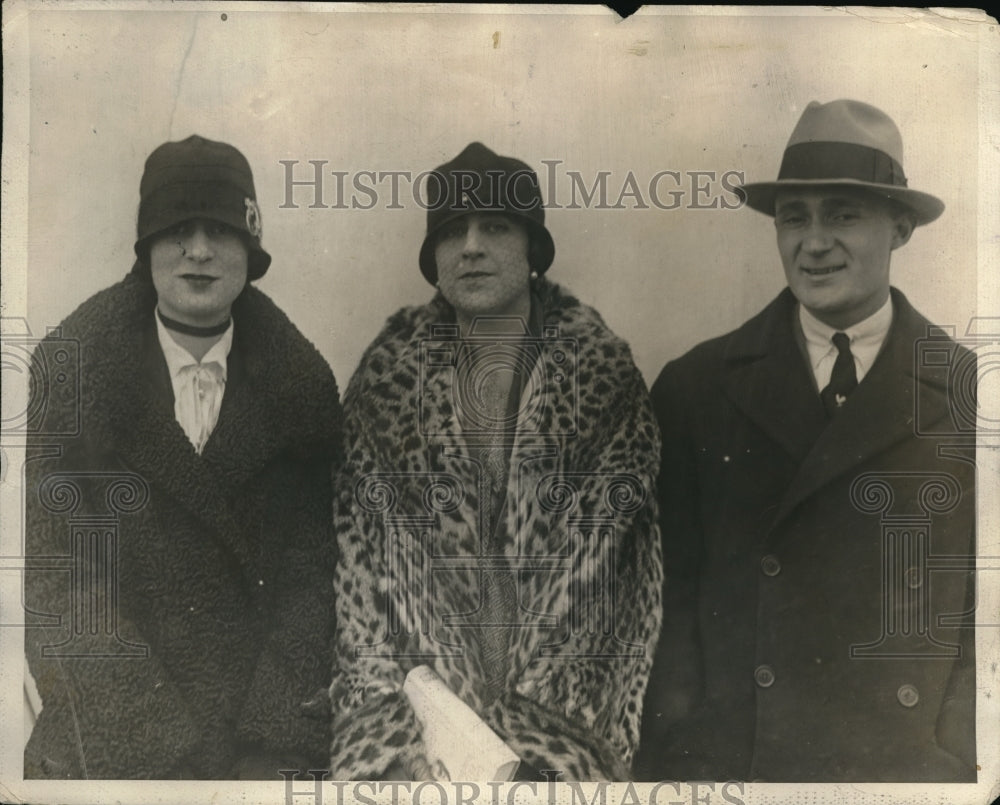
(482, 266)
(199, 268)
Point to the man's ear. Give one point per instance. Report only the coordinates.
(902, 229)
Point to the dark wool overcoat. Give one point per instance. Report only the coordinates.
(811, 564)
(578, 528)
(211, 572)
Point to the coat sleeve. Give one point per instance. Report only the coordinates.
(373, 726)
(590, 687)
(286, 715)
(956, 723)
(102, 716)
(675, 684)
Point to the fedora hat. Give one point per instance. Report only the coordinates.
(844, 143)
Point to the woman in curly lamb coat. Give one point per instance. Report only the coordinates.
(496, 514)
(186, 479)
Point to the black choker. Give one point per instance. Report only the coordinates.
(190, 329)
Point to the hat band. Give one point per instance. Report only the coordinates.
(170, 204)
(839, 161)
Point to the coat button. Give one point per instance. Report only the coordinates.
(763, 675)
(908, 695)
(770, 565)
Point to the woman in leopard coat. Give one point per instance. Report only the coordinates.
(496, 513)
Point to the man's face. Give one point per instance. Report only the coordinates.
(199, 268)
(835, 244)
(482, 265)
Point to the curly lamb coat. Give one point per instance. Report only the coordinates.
(224, 560)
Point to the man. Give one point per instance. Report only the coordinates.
(187, 490)
(802, 503)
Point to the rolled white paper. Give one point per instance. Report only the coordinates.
(454, 734)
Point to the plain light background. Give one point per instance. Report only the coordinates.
(369, 91)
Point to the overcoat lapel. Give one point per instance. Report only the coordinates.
(531, 454)
(434, 399)
(877, 415)
(150, 441)
(244, 438)
(259, 418)
(767, 378)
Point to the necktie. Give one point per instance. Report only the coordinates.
(197, 406)
(843, 378)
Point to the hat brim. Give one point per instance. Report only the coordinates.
(543, 254)
(924, 207)
(258, 260)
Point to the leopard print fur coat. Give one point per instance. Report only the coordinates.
(579, 530)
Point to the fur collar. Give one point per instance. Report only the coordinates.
(394, 350)
(288, 378)
(285, 407)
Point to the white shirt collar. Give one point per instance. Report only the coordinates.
(177, 357)
(866, 338)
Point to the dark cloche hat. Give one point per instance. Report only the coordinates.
(199, 178)
(478, 180)
(845, 143)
